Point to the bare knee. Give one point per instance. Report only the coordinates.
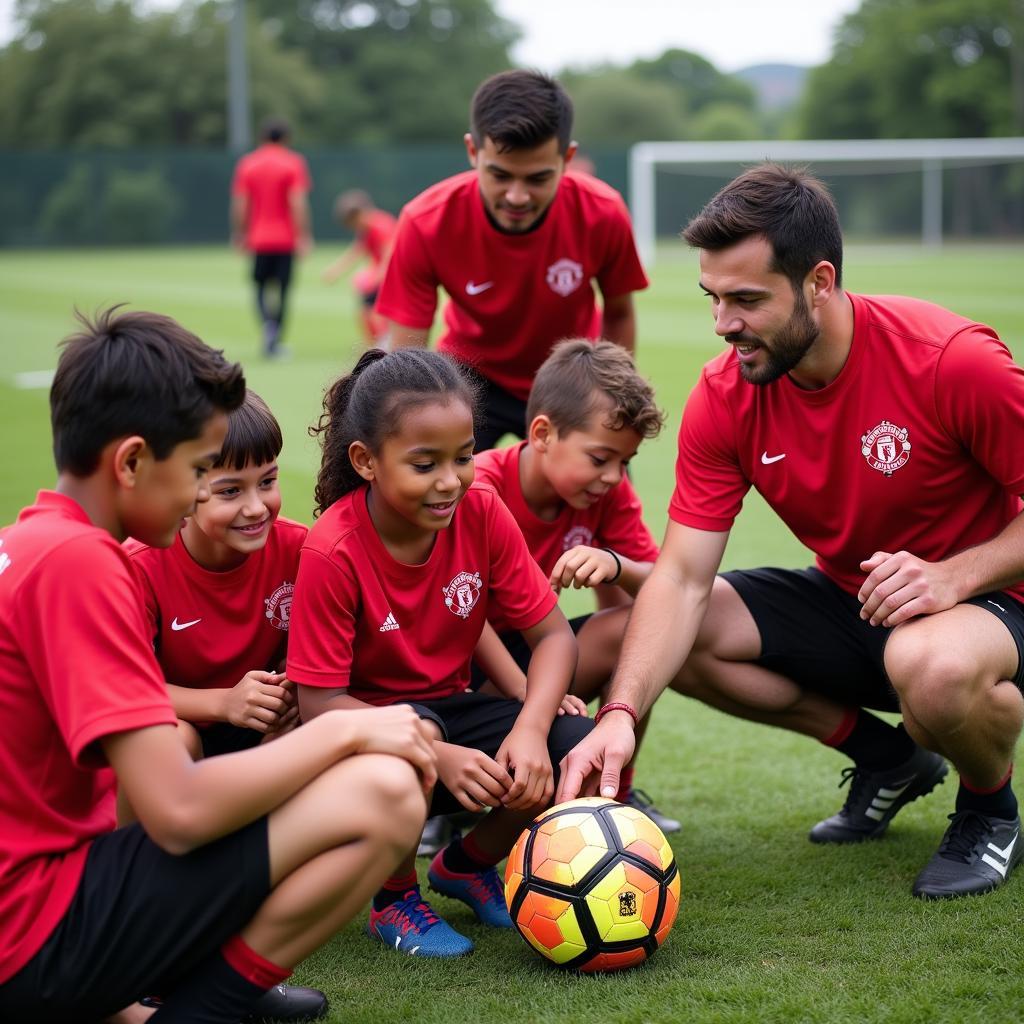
(393, 785)
(937, 685)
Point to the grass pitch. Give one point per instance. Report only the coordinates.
(771, 928)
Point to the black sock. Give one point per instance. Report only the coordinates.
(876, 745)
(215, 993)
(999, 803)
(395, 889)
(455, 858)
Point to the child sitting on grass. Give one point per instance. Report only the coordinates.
(239, 866)
(395, 582)
(219, 598)
(566, 486)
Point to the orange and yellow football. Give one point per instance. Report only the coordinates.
(593, 885)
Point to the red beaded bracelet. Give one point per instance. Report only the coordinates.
(617, 705)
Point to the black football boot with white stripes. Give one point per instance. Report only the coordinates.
(875, 797)
(976, 855)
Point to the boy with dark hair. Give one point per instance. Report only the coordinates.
(219, 599)
(240, 865)
(270, 218)
(567, 488)
(888, 434)
(517, 243)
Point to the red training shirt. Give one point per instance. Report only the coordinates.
(75, 665)
(377, 236)
(393, 632)
(210, 628)
(917, 445)
(513, 296)
(267, 177)
(615, 521)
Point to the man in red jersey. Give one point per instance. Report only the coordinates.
(270, 219)
(886, 432)
(516, 243)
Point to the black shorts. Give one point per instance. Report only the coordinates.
(272, 266)
(140, 922)
(482, 722)
(812, 632)
(516, 645)
(369, 299)
(225, 738)
(500, 412)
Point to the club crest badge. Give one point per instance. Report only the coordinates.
(279, 606)
(576, 536)
(564, 277)
(462, 594)
(886, 447)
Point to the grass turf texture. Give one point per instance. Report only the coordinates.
(771, 928)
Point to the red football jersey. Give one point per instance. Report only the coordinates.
(917, 445)
(210, 628)
(75, 665)
(513, 296)
(393, 632)
(267, 177)
(616, 521)
(378, 235)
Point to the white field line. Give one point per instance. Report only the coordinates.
(33, 379)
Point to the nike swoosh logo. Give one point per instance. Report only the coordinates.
(178, 626)
(476, 289)
(769, 459)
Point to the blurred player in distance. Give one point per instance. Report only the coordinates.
(270, 219)
(374, 231)
(888, 434)
(518, 245)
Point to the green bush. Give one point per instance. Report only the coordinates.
(69, 213)
(138, 207)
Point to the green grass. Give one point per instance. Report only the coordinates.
(771, 928)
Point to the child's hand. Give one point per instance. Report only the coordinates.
(572, 705)
(473, 778)
(259, 700)
(583, 566)
(525, 754)
(396, 730)
(285, 724)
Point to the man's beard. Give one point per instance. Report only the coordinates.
(787, 348)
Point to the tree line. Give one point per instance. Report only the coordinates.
(112, 74)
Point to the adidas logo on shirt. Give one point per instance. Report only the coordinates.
(389, 623)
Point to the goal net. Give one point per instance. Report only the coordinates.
(928, 189)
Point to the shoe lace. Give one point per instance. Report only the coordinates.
(641, 799)
(966, 828)
(486, 887)
(857, 778)
(412, 914)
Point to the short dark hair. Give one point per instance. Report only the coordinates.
(139, 373)
(791, 208)
(367, 405)
(351, 202)
(275, 129)
(581, 377)
(520, 110)
(254, 435)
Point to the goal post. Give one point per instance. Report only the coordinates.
(929, 157)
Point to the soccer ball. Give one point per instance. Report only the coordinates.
(592, 885)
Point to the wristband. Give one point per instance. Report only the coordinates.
(617, 705)
(618, 565)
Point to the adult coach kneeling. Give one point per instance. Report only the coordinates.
(888, 434)
(516, 243)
